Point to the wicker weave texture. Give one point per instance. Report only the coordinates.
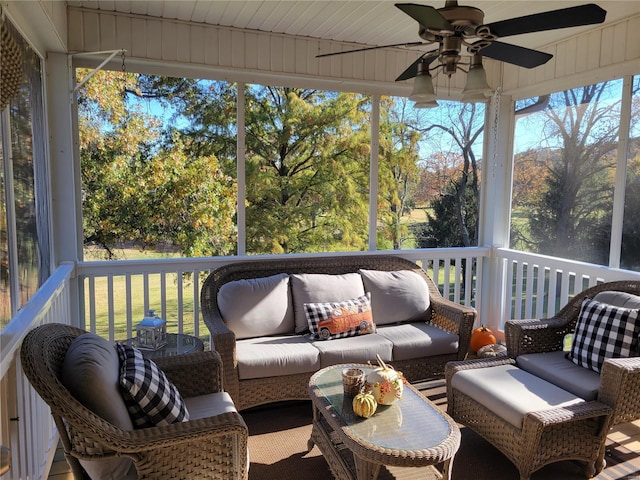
(212, 447)
(577, 432)
(619, 379)
(249, 393)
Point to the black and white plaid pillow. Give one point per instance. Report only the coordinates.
(603, 331)
(150, 397)
(329, 320)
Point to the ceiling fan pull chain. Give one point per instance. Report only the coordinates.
(496, 120)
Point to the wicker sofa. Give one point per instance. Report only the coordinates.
(419, 347)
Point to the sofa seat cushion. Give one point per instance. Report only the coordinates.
(257, 307)
(554, 367)
(276, 356)
(209, 405)
(418, 339)
(510, 392)
(396, 296)
(317, 288)
(361, 349)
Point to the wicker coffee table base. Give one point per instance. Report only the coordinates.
(345, 465)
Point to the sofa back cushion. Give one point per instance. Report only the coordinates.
(396, 296)
(317, 288)
(257, 307)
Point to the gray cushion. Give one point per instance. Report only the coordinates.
(276, 356)
(90, 373)
(316, 288)
(554, 367)
(418, 339)
(209, 405)
(396, 296)
(618, 299)
(258, 306)
(511, 392)
(361, 349)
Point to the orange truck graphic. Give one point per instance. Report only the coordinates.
(343, 319)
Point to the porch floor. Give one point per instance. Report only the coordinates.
(267, 440)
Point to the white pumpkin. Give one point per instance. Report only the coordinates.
(385, 383)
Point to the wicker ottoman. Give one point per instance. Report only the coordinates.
(531, 421)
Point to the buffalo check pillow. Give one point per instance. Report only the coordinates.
(330, 320)
(150, 397)
(603, 331)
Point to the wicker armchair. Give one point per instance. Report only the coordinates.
(209, 447)
(577, 431)
(619, 379)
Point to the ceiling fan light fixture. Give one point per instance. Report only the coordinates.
(476, 79)
(426, 104)
(423, 90)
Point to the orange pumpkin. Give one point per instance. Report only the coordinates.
(480, 337)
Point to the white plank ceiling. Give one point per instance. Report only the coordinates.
(366, 22)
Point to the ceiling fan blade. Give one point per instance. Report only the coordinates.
(426, 16)
(412, 70)
(521, 56)
(563, 18)
(407, 44)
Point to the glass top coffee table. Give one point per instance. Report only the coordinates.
(412, 432)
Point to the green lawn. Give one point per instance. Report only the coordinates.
(116, 296)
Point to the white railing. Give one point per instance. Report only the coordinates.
(114, 295)
(26, 426)
(98, 295)
(537, 286)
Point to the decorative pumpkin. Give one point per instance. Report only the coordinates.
(385, 383)
(480, 337)
(492, 351)
(364, 405)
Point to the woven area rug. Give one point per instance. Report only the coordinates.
(278, 449)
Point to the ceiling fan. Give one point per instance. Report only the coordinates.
(454, 26)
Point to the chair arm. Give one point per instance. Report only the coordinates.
(620, 388)
(151, 438)
(569, 413)
(454, 318)
(193, 374)
(223, 341)
(535, 336)
(195, 447)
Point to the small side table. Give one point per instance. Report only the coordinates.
(177, 344)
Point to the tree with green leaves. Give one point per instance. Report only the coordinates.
(307, 170)
(138, 188)
(398, 171)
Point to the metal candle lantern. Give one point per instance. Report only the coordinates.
(151, 332)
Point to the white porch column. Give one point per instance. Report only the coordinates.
(495, 205)
(66, 191)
